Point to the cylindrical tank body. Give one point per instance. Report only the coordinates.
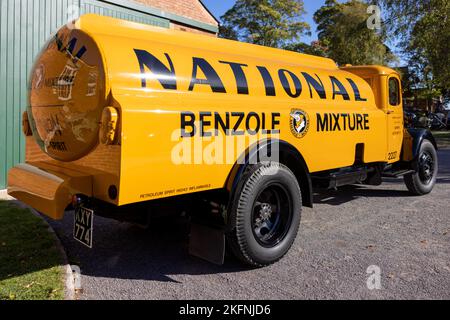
(170, 87)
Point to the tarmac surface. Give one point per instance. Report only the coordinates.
(348, 231)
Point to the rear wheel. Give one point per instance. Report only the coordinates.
(266, 212)
(423, 181)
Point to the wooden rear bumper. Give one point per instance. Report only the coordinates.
(47, 188)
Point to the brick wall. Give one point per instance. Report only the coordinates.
(192, 9)
(190, 29)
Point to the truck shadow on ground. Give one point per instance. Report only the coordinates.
(125, 251)
(353, 192)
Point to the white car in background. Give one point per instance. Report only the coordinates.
(446, 106)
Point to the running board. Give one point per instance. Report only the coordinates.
(343, 178)
(397, 174)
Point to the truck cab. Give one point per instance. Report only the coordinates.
(386, 85)
(410, 153)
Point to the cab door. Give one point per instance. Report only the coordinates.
(394, 114)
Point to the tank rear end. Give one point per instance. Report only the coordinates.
(67, 95)
(70, 150)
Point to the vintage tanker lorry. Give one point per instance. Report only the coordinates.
(125, 120)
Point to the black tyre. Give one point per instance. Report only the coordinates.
(423, 181)
(266, 211)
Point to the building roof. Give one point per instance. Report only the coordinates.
(167, 15)
(209, 11)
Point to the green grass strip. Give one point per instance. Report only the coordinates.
(30, 263)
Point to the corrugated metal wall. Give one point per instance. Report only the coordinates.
(25, 25)
(94, 6)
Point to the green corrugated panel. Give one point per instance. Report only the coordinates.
(3, 71)
(10, 84)
(93, 6)
(25, 26)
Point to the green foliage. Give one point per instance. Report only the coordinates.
(423, 28)
(272, 23)
(30, 264)
(344, 32)
(316, 48)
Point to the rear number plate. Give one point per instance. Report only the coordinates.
(83, 226)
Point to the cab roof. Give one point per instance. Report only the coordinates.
(370, 70)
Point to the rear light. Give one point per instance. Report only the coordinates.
(76, 200)
(108, 126)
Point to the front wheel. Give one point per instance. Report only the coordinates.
(266, 212)
(423, 181)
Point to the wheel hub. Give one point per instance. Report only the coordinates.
(426, 167)
(264, 214)
(272, 215)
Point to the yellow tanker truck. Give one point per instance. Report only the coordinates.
(125, 120)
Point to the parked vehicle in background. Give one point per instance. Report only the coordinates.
(437, 121)
(446, 107)
(430, 120)
(410, 119)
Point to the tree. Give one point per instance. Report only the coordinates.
(272, 23)
(344, 32)
(316, 48)
(423, 30)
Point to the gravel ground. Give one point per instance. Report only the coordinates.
(408, 238)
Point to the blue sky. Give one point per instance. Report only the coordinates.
(219, 7)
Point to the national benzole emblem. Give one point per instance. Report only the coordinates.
(299, 121)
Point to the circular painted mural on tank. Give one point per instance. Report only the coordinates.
(67, 96)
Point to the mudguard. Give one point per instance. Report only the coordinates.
(274, 150)
(413, 141)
